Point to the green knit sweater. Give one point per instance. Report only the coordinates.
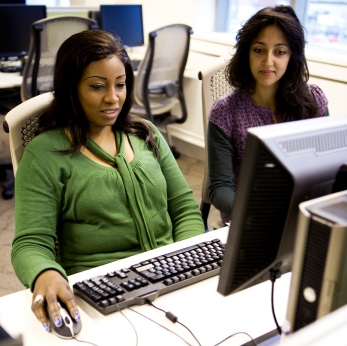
(97, 214)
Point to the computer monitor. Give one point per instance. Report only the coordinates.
(7, 2)
(125, 21)
(15, 27)
(283, 165)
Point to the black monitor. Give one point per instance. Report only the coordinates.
(15, 27)
(7, 2)
(283, 165)
(125, 21)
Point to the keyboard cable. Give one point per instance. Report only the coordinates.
(169, 315)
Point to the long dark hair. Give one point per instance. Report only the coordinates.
(65, 111)
(293, 98)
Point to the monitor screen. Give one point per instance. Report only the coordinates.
(7, 2)
(124, 21)
(15, 26)
(283, 165)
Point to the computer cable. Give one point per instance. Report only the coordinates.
(273, 276)
(132, 326)
(160, 325)
(234, 334)
(84, 341)
(169, 315)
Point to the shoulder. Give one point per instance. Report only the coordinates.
(53, 139)
(318, 95)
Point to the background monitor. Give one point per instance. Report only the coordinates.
(15, 27)
(125, 21)
(283, 165)
(12, 2)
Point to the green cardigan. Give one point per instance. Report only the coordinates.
(98, 214)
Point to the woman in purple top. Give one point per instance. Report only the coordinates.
(269, 74)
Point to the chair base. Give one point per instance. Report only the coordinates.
(8, 186)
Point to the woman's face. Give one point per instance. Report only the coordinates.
(269, 56)
(102, 92)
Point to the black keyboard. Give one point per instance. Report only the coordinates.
(151, 278)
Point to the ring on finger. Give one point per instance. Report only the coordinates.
(39, 298)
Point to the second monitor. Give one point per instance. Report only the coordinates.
(125, 21)
(283, 165)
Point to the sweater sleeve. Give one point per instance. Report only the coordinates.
(36, 214)
(221, 172)
(182, 207)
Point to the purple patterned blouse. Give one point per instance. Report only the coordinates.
(229, 119)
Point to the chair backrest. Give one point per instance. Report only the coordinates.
(46, 36)
(214, 86)
(159, 80)
(21, 124)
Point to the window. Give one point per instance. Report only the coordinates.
(325, 21)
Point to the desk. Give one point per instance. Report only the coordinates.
(209, 315)
(10, 80)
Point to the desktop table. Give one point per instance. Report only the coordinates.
(10, 80)
(209, 315)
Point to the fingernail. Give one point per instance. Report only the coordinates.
(46, 326)
(58, 322)
(77, 316)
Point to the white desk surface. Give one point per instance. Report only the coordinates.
(209, 315)
(10, 80)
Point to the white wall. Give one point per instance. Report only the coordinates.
(157, 13)
(329, 72)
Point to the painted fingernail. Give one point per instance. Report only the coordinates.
(77, 316)
(58, 322)
(46, 326)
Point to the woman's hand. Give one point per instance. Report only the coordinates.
(49, 287)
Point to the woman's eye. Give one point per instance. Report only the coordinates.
(120, 85)
(280, 52)
(97, 86)
(257, 50)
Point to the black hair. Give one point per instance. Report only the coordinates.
(293, 98)
(65, 111)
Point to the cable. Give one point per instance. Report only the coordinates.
(135, 331)
(160, 325)
(273, 277)
(169, 315)
(85, 342)
(232, 335)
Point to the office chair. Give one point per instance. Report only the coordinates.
(214, 86)
(158, 88)
(45, 38)
(9, 98)
(21, 123)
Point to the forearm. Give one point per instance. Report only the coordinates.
(221, 172)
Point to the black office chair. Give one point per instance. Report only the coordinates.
(214, 86)
(158, 93)
(46, 37)
(9, 98)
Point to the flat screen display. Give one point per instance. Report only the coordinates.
(15, 27)
(125, 21)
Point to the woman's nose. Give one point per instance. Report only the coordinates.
(268, 59)
(111, 96)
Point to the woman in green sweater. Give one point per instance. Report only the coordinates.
(97, 183)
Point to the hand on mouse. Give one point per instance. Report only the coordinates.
(49, 287)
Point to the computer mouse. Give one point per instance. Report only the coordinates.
(70, 327)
